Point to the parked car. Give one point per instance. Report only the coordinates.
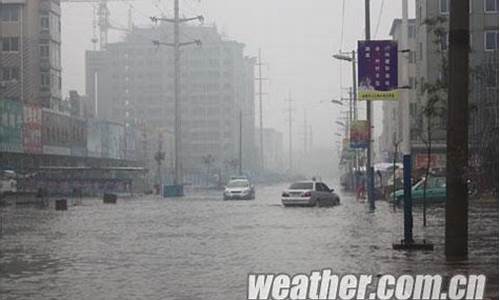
(309, 193)
(435, 191)
(8, 181)
(239, 189)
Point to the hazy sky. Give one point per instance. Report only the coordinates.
(297, 38)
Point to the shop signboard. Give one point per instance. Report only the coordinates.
(359, 134)
(94, 138)
(437, 161)
(32, 129)
(11, 124)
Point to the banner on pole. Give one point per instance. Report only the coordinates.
(378, 70)
(359, 134)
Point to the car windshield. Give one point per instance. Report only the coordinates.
(237, 184)
(301, 186)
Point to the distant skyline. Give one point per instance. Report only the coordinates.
(297, 38)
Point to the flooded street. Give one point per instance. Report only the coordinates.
(200, 247)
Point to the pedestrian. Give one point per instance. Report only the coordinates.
(360, 191)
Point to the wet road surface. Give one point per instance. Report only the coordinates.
(200, 247)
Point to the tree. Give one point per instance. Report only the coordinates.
(434, 109)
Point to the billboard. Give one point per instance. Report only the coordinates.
(359, 134)
(11, 126)
(378, 70)
(32, 129)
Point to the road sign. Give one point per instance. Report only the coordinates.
(378, 70)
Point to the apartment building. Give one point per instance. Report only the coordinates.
(392, 118)
(132, 81)
(30, 52)
(432, 48)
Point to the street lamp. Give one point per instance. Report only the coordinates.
(335, 101)
(353, 112)
(342, 57)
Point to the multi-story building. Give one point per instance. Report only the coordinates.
(392, 118)
(273, 154)
(30, 52)
(132, 81)
(432, 48)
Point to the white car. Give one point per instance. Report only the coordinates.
(239, 189)
(309, 193)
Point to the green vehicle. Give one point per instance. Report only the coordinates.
(436, 191)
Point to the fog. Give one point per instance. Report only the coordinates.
(297, 38)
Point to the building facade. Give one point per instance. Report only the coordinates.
(132, 82)
(30, 52)
(274, 156)
(392, 118)
(432, 51)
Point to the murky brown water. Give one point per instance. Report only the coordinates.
(200, 247)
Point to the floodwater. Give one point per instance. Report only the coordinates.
(200, 247)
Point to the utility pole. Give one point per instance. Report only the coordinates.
(369, 169)
(159, 157)
(456, 237)
(290, 148)
(145, 154)
(310, 136)
(178, 176)
(354, 86)
(261, 126)
(305, 132)
(240, 151)
(406, 145)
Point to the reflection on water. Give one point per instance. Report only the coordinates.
(201, 247)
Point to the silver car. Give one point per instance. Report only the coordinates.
(309, 193)
(239, 189)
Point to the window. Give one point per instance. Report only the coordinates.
(10, 44)
(413, 109)
(412, 83)
(444, 41)
(491, 6)
(9, 13)
(44, 21)
(44, 50)
(411, 31)
(10, 74)
(420, 51)
(444, 7)
(45, 80)
(491, 40)
(301, 186)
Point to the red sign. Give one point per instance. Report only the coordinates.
(437, 161)
(32, 129)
